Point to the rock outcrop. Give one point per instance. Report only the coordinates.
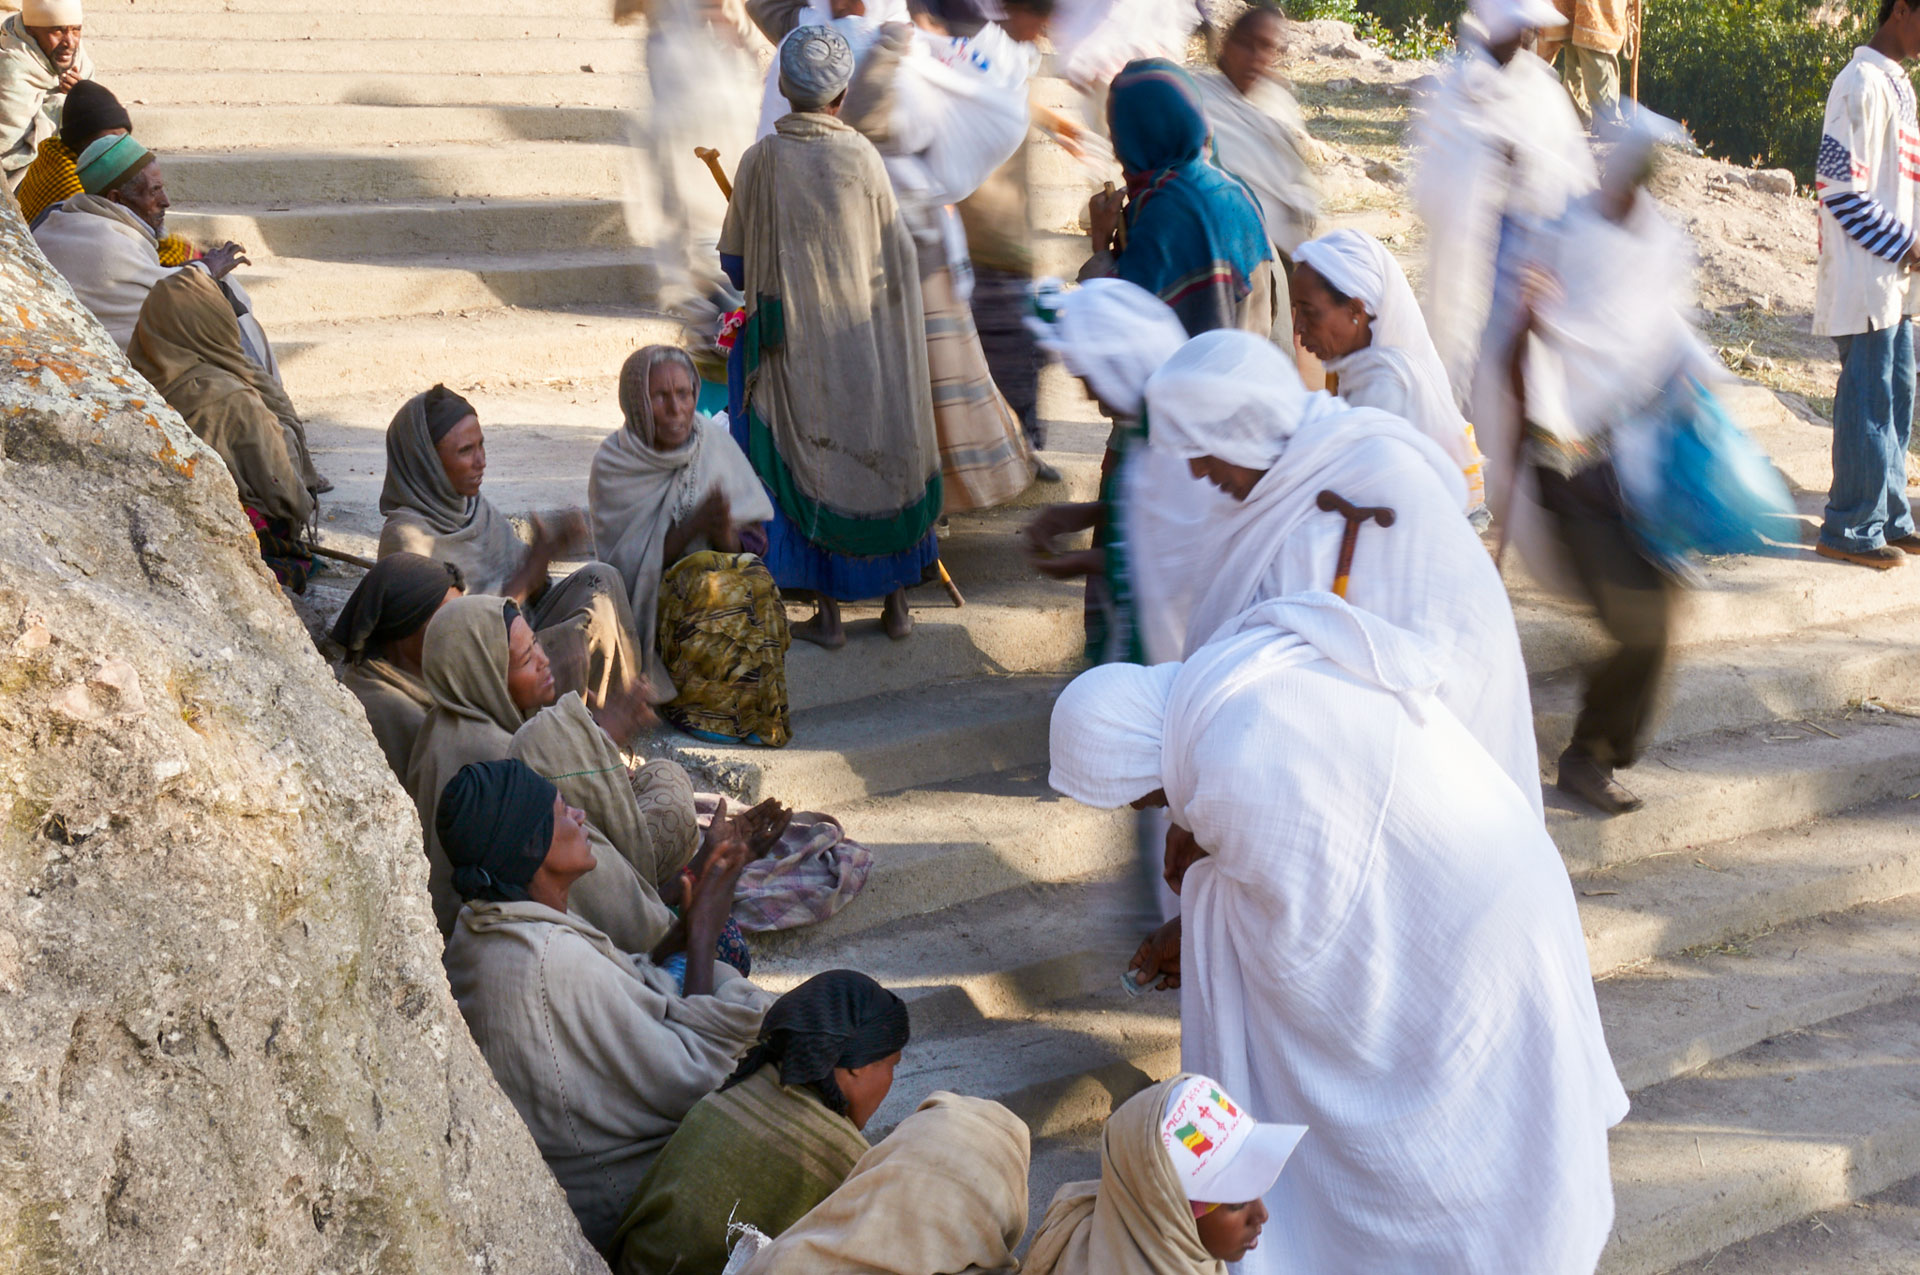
(226, 1043)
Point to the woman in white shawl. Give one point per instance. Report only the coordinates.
(1353, 309)
(1232, 405)
(1378, 941)
(678, 511)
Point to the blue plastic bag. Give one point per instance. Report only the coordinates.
(1692, 481)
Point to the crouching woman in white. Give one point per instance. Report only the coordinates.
(1377, 940)
(599, 1052)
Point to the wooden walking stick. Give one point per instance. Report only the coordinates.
(340, 555)
(712, 158)
(1355, 515)
(1639, 24)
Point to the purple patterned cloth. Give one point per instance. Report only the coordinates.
(812, 873)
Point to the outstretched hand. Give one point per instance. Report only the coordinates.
(555, 535)
(627, 711)
(1159, 957)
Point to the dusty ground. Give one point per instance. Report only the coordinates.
(1879, 1235)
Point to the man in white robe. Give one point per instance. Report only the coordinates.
(1501, 140)
(1379, 942)
(1232, 406)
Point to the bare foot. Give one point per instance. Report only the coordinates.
(894, 615)
(824, 629)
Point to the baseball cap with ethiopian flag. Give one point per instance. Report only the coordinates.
(1221, 1154)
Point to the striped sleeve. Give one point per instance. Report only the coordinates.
(1843, 178)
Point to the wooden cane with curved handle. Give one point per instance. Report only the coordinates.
(712, 158)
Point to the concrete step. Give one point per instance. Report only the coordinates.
(261, 178)
(1670, 1016)
(296, 291)
(1718, 894)
(608, 52)
(182, 127)
(1744, 683)
(298, 86)
(1875, 1236)
(943, 847)
(426, 226)
(883, 744)
(1802, 1122)
(351, 10)
(113, 31)
(1743, 783)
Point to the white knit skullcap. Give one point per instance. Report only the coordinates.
(51, 13)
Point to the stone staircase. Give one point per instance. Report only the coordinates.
(436, 193)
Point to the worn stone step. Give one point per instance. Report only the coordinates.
(346, 12)
(1740, 784)
(614, 52)
(112, 30)
(1704, 895)
(1734, 685)
(296, 86)
(182, 126)
(414, 226)
(1876, 1236)
(885, 743)
(320, 291)
(265, 179)
(1802, 1122)
(1671, 1015)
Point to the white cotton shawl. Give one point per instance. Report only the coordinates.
(30, 102)
(1114, 335)
(1168, 518)
(596, 1050)
(635, 493)
(108, 256)
(1257, 136)
(1428, 572)
(1496, 140)
(1382, 943)
(1227, 394)
(1400, 371)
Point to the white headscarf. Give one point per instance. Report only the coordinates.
(1402, 351)
(1113, 335)
(1504, 19)
(1105, 738)
(1228, 394)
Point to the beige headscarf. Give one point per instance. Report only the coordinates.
(187, 343)
(426, 515)
(636, 492)
(944, 1193)
(1136, 1219)
(473, 718)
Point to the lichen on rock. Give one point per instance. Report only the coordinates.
(226, 1043)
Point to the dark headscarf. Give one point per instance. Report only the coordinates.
(495, 824)
(1192, 226)
(90, 111)
(445, 409)
(394, 601)
(838, 1019)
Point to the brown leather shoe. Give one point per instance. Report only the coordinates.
(1906, 544)
(1885, 558)
(1583, 777)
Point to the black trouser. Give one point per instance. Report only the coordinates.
(1635, 605)
(1013, 358)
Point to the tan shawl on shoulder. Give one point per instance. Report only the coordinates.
(187, 344)
(425, 515)
(30, 97)
(1258, 137)
(636, 493)
(944, 1193)
(846, 392)
(621, 895)
(396, 704)
(596, 1050)
(464, 666)
(1135, 1220)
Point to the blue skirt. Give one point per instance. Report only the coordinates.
(798, 563)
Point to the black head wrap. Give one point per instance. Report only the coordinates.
(496, 823)
(90, 111)
(838, 1019)
(395, 600)
(509, 613)
(444, 410)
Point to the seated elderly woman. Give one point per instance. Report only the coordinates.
(1182, 1172)
(596, 1048)
(383, 629)
(436, 460)
(944, 1194)
(678, 511)
(778, 1137)
(187, 343)
(492, 696)
(1354, 310)
(1190, 232)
